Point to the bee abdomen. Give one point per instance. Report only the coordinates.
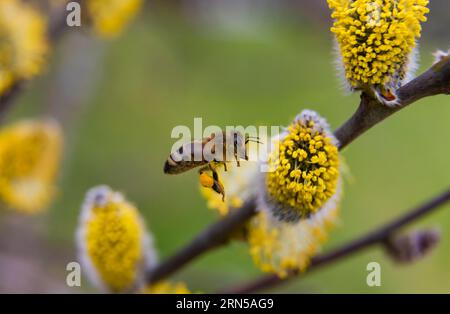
(171, 166)
(183, 159)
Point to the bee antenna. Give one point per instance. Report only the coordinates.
(253, 140)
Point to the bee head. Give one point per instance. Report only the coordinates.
(237, 143)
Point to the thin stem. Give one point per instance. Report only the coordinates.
(375, 237)
(436, 80)
(8, 97)
(213, 236)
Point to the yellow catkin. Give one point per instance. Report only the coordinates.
(110, 17)
(279, 247)
(165, 287)
(305, 170)
(30, 153)
(376, 38)
(112, 241)
(23, 42)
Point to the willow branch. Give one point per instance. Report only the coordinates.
(8, 97)
(436, 80)
(213, 236)
(377, 236)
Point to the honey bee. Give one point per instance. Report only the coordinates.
(209, 154)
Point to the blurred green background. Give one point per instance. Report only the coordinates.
(241, 67)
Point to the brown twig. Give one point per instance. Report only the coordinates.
(375, 237)
(8, 97)
(435, 80)
(202, 243)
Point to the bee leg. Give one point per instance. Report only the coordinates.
(212, 182)
(206, 180)
(203, 169)
(215, 175)
(237, 161)
(225, 166)
(218, 187)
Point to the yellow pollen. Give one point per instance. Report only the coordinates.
(206, 180)
(109, 17)
(112, 239)
(305, 171)
(376, 38)
(165, 287)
